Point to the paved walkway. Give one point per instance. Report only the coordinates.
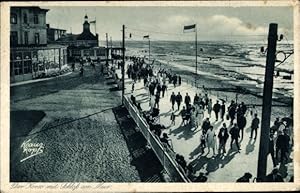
(186, 140)
(37, 80)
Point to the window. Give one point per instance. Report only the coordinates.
(37, 38)
(13, 38)
(26, 38)
(17, 62)
(36, 19)
(13, 18)
(18, 68)
(25, 18)
(27, 66)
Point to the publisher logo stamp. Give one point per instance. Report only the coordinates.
(31, 149)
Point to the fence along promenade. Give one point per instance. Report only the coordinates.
(173, 170)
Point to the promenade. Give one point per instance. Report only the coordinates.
(186, 140)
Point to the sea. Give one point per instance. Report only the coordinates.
(244, 58)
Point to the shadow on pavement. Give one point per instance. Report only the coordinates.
(212, 163)
(185, 130)
(250, 146)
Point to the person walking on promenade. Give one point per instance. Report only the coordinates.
(132, 87)
(209, 107)
(178, 100)
(205, 125)
(206, 100)
(151, 88)
(216, 109)
(200, 114)
(202, 141)
(271, 149)
(211, 139)
(193, 120)
(241, 122)
(244, 108)
(282, 145)
(254, 126)
(158, 89)
(179, 80)
(172, 118)
(174, 80)
(183, 114)
(231, 111)
(187, 100)
(202, 103)
(196, 100)
(223, 110)
(234, 132)
(223, 136)
(163, 89)
(173, 99)
(157, 97)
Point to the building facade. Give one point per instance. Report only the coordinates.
(54, 34)
(83, 45)
(30, 55)
(28, 26)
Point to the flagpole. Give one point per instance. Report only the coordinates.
(149, 50)
(95, 26)
(196, 52)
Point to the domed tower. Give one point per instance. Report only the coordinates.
(87, 34)
(86, 24)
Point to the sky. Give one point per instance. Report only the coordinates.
(166, 23)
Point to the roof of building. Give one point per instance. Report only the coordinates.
(31, 48)
(31, 7)
(86, 35)
(68, 37)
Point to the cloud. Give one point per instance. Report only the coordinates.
(224, 25)
(218, 27)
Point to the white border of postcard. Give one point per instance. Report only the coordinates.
(6, 186)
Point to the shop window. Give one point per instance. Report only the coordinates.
(18, 67)
(27, 66)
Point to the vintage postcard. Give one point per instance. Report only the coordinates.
(152, 96)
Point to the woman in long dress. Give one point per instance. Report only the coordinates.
(193, 119)
(211, 139)
(200, 116)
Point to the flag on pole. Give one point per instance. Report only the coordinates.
(146, 37)
(93, 22)
(189, 28)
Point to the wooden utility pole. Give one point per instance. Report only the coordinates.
(149, 50)
(196, 46)
(123, 64)
(111, 49)
(267, 103)
(106, 49)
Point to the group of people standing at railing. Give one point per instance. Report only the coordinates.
(193, 115)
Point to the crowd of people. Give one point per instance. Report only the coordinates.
(192, 113)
